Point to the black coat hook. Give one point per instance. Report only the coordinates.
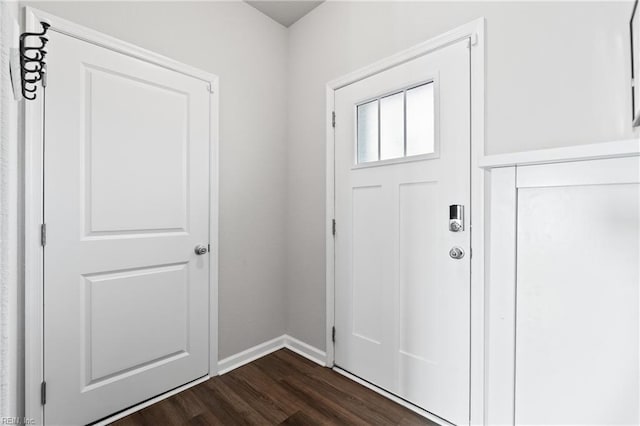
(32, 64)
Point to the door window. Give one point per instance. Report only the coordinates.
(397, 125)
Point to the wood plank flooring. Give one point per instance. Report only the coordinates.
(282, 388)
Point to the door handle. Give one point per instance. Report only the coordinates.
(456, 253)
(201, 249)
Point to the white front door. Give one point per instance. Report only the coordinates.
(126, 169)
(402, 158)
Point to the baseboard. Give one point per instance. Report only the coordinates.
(305, 350)
(251, 354)
(238, 360)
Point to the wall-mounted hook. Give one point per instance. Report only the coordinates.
(32, 64)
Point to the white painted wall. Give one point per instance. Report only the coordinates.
(557, 74)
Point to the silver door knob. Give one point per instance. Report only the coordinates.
(201, 249)
(456, 253)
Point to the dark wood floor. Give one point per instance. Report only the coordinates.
(282, 388)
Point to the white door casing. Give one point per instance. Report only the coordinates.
(127, 187)
(401, 303)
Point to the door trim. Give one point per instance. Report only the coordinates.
(34, 192)
(475, 32)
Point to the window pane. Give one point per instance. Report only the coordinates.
(420, 120)
(368, 132)
(392, 126)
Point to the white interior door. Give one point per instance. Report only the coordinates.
(402, 157)
(126, 201)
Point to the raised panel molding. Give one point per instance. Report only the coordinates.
(112, 322)
(122, 133)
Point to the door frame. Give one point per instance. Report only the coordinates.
(34, 192)
(474, 31)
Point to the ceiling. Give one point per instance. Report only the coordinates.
(285, 12)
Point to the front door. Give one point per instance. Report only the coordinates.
(126, 169)
(402, 270)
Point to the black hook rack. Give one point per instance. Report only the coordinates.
(32, 63)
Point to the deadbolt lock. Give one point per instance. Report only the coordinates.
(456, 218)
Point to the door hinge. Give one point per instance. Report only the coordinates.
(333, 334)
(333, 227)
(43, 393)
(43, 234)
(333, 119)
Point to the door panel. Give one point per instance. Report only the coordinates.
(577, 300)
(368, 259)
(418, 322)
(119, 133)
(126, 201)
(109, 330)
(402, 303)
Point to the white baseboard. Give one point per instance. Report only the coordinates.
(238, 360)
(305, 350)
(248, 355)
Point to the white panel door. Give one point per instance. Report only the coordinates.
(402, 155)
(126, 201)
(578, 272)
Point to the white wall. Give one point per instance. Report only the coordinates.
(247, 51)
(557, 74)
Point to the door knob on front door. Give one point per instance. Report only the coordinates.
(201, 249)
(456, 253)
